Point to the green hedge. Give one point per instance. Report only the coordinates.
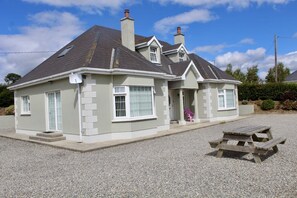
(274, 91)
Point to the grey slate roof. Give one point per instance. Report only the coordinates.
(94, 48)
(292, 77)
(167, 47)
(179, 68)
(208, 70)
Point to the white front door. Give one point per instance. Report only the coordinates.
(171, 105)
(54, 111)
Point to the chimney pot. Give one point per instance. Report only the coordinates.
(127, 13)
(179, 36)
(178, 31)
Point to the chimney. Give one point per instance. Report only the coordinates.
(127, 31)
(179, 37)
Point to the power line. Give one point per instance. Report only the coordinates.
(29, 52)
(287, 37)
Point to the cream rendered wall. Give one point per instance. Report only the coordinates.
(189, 83)
(222, 113)
(144, 52)
(208, 101)
(104, 100)
(173, 57)
(202, 101)
(37, 121)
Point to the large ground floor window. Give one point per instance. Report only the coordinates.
(133, 101)
(226, 99)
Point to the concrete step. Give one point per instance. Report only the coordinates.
(48, 137)
(50, 134)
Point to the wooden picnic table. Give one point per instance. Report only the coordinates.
(243, 139)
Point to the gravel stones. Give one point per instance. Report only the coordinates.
(181, 165)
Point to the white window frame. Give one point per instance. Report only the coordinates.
(125, 93)
(154, 53)
(25, 100)
(223, 92)
(47, 110)
(128, 117)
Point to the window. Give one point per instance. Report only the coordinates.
(226, 99)
(120, 101)
(65, 51)
(25, 105)
(140, 101)
(153, 54)
(133, 102)
(181, 56)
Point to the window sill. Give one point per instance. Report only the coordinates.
(227, 109)
(133, 119)
(25, 114)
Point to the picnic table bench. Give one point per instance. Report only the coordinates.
(246, 137)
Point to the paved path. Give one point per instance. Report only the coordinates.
(181, 165)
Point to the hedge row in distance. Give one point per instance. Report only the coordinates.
(274, 91)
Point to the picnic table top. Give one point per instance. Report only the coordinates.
(247, 130)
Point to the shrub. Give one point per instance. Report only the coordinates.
(9, 110)
(288, 105)
(294, 105)
(244, 102)
(267, 104)
(288, 95)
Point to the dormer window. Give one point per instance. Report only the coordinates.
(181, 56)
(153, 54)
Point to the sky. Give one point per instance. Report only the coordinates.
(240, 32)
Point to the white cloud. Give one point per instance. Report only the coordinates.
(295, 35)
(165, 25)
(241, 59)
(90, 6)
(49, 32)
(230, 4)
(209, 48)
(248, 41)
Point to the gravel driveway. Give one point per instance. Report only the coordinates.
(180, 165)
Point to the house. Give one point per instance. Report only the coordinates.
(108, 84)
(292, 77)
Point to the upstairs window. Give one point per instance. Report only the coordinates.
(181, 56)
(25, 106)
(153, 54)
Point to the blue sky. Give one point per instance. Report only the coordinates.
(239, 32)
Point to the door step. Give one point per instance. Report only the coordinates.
(48, 137)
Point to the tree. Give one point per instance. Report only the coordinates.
(239, 75)
(229, 69)
(11, 78)
(6, 98)
(282, 73)
(252, 75)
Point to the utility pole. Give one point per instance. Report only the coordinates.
(275, 56)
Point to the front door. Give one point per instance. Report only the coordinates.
(172, 102)
(54, 111)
